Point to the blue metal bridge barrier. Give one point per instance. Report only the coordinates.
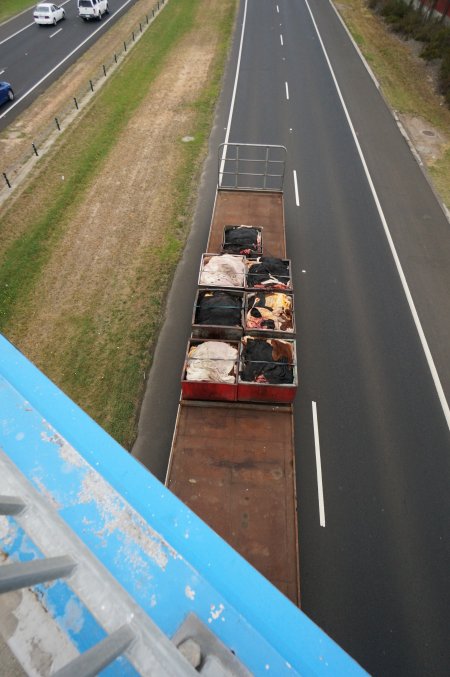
(103, 569)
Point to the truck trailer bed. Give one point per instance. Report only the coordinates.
(252, 208)
(233, 465)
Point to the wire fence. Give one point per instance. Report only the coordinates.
(13, 174)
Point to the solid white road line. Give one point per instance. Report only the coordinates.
(287, 91)
(412, 307)
(318, 466)
(10, 37)
(55, 33)
(281, 40)
(233, 97)
(90, 36)
(278, 9)
(297, 199)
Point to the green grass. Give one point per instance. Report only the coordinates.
(101, 355)
(9, 8)
(440, 173)
(358, 39)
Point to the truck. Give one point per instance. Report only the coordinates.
(231, 462)
(92, 9)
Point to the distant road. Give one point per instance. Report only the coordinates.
(370, 250)
(32, 57)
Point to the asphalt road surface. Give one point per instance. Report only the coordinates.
(32, 56)
(370, 251)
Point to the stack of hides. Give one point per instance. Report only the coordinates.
(242, 240)
(268, 272)
(223, 271)
(266, 361)
(219, 308)
(269, 310)
(212, 361)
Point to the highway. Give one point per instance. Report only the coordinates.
(370, 250)
(32, 57)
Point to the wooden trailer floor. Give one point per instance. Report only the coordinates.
(251, 208)
(233, 466)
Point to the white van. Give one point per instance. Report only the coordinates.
(92, 9)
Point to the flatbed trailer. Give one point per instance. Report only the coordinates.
(233, 463)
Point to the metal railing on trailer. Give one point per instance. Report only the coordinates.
(246, 166)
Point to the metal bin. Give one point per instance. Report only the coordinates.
(206, 258)
(209, 390)
(229, 248)
(249, 298)
(276, 393)
(252, 262)
(222, 332)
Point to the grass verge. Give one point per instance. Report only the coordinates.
(98, 354)
(9, 8)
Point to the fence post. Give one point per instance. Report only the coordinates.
(115, 57)
(35, 150)
(125, 46)
(92, 86)
(133, 35)
(140, 26)
(57, 124)
(104, 70)
(6, 179)
(153, 12)
(146, 19)
(76, 102)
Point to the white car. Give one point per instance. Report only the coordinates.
(92, 9)
(47, 13)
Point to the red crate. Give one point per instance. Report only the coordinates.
(209, 390)
(251, 391)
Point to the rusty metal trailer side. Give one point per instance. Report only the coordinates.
(233, 465)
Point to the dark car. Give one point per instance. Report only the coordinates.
(6, 92)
